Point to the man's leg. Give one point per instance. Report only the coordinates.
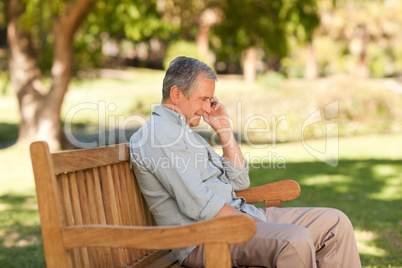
(281, 241)
(274, 245)
(332, 233)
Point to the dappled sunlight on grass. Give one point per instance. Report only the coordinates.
(339, 182)
(390, 191)
(392, 188)
(367, 190)
(20, 232)
(365, 244)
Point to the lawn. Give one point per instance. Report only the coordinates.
(365, 182)
(368, 191)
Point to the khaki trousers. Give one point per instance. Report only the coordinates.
(295, 237)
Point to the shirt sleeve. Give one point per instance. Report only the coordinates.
(237, 176)
(176, 168)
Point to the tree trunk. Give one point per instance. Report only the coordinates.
(40, 111)
(274, 63)
(362, 69)
(311, 62)
(250, 65)
(207, 19)
(203, 41)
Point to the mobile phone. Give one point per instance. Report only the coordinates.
(215, 101)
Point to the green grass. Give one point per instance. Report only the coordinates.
(20, 238)
(366, 184)
(368, 191)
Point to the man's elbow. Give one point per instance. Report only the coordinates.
(242, 185)
(227, 210)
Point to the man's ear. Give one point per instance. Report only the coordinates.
(175, 94)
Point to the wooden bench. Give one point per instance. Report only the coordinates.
(93, 214)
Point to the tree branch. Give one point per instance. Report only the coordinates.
(75, 15)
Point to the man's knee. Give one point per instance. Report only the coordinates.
(299, 250)
(339, 217)
(300, 237)
(290, 245)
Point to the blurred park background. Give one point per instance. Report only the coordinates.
(87, 73)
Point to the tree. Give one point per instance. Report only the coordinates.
(367, 30)
(41, 41)
(208, 18)
(248, 25)
(133, 22)
(194, 20)
(40, 106)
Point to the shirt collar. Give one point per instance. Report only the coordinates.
(170, 115)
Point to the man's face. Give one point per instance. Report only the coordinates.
(198, 103)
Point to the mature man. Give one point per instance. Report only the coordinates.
(185, 181)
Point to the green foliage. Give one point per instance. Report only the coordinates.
(347, 31)
(2, 15)
(247, 24)
(264, 24)
(120, 21)
(8, 132)
(360, 27)
(185, 15)
(278, 27)
(4, 83)
(37, 21)
(181, 48)
(136, 20)
(380, 60)
(87, 48)
(37, 16)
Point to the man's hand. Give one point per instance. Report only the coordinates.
(217, 118)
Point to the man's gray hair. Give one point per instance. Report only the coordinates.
(183, 73)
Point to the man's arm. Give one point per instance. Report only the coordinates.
(229, 210)
(218, 119)
(231, 150)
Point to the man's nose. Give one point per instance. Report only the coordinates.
(207, 106)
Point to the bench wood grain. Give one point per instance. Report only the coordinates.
(93, 214)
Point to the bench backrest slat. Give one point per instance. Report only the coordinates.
(92, 186)
(90, 158)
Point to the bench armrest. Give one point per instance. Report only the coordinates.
(218, 230)
(271, 193)
(215, 235)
